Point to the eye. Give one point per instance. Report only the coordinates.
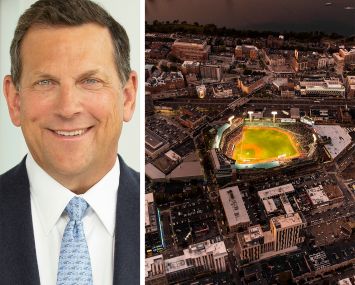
(92, 83)
(44, 84)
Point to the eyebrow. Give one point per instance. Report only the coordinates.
(85, 74)
(89, 73)
(41, 75)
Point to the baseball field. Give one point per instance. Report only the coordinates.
(264, 144)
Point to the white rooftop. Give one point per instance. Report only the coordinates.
(286, 221)
(317, 195)
(176, 264)
(276, 191)
(205, 248)
(173, 155)
(345, 281)
(286, 204)
(254, 232)
(233, 205)
(269, 205)
(339, 136)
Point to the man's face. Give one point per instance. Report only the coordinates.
(71, 103)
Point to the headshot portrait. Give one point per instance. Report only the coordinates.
(69, 173)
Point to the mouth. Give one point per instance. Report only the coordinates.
(71, 133)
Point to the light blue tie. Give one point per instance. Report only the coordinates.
(74, 266)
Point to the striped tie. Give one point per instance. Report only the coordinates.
(74, 266)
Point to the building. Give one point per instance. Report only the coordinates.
(275, 42)
(268, 197)
(287, 92)
(211, 72)
(154, 144)
(350, 86)
(165, 81)
(204, 257)
(325, 197)
(221, 164)
(344, 58)
(191, 49)
(201, 91)
(155, 271)
(339, 138)
(246, 52)
(325, 87)
(286, 230)
(250, 84)
(191, 118)
(222, 91)
(273, 58)
(153, 239)
(254, 243)
(285, 235)
(189, 66)
(234, 208)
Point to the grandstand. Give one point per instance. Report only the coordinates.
(263, 144)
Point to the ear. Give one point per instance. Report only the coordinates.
(13, 100)
(129, 96)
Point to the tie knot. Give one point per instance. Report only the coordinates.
(76, 208)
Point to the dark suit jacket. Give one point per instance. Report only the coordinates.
(18, 262)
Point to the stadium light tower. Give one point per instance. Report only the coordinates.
(230, 119)
(250, 113)
(274, 113)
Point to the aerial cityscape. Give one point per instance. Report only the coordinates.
(249, 153)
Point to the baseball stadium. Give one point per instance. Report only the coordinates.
(264, 144)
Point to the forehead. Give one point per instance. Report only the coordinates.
(67, 45)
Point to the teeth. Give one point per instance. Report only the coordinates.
(70, 134)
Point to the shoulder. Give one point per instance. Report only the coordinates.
(14, 177)
(128, 176)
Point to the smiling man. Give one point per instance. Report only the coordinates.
(69, 212)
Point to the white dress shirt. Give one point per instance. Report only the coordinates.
(48, 202)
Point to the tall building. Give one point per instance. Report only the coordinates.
(153, 239)
(211, 71)
(286, 230)
(201, 257)
(205, 257)
(253, 243)
(155, 271)
(191, 49)
(285, 234)
(246, 51)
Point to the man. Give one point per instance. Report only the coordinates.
(69, 212)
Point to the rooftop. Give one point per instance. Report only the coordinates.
(276, 191)
(340, 138)
(317, 195)
(286, 221)
(233, 205)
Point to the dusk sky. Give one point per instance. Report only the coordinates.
(275, 15)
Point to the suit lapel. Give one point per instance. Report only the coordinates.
(17, 238)
(126, 260)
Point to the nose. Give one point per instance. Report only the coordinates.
(68, 102)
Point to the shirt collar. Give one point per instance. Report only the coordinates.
(50, 197)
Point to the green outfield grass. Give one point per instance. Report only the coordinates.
(263, 144)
